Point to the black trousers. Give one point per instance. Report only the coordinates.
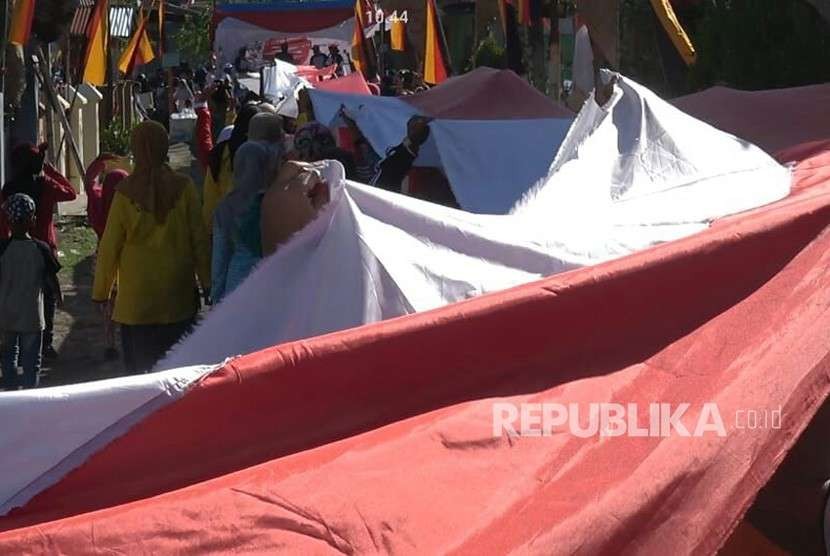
(145, 344)
(50, 305)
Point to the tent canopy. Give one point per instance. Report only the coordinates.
(487, 94)
(774, 119)
(494, 135)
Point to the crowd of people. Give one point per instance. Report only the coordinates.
(168, 246)
(183, 88)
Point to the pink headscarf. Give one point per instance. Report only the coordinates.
(100, 198)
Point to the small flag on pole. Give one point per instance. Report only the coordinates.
(363, 52)
(398, 35)
(95, 60)
(138, 51)
(435, 60)
(21, 22)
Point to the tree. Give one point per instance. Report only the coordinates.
(761, 44)
(490, 54)
(193, 38)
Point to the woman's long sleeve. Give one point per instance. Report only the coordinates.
(109, 250)
(198, 237)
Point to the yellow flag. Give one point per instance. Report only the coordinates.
(435, 67)
(95, 61)
(398, 33)
(668, 19)
(138, 51)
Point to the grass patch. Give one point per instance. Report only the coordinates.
(76, 242)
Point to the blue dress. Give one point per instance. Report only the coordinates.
(235, 253)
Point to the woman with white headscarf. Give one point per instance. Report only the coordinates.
(237, 246)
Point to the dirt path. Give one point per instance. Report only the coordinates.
(79, 327)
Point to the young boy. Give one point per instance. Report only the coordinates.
(27, 267)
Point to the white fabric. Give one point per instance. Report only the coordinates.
(671, 172)
(489, 164)
(225, 134)
(630, 175)
(281, 84)
(48, 432)
(382, 120)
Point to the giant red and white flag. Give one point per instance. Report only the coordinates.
(363, 439)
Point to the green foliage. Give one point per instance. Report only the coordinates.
(746, 44)
(490, 53)
(193, 38)
(115, 138)
(761, 44)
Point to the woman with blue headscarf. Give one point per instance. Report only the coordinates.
(237, 246)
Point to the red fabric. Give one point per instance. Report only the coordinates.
(204, 136)
(100, 200)
(97, 209)
(346, 139)
(486, 94)
(294, 21)
(298, 47)
(354, 83)
(379, 438)
(773, 119)
(316, 75)
(56, 189)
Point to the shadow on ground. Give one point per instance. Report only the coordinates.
(79, 333)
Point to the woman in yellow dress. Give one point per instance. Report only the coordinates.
(219, 179)
(155, 244)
